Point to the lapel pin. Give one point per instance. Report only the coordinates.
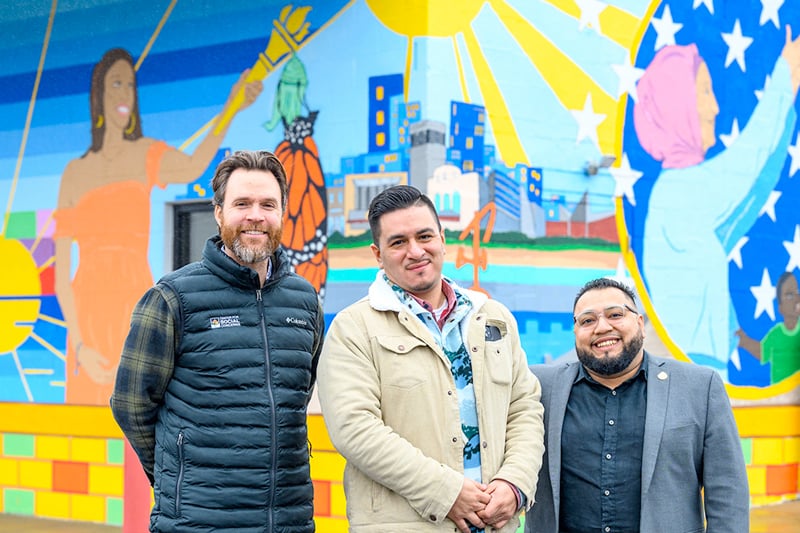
(662, 375)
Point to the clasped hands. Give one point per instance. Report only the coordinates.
(483, 506)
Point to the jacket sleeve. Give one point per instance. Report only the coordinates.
(145, 369)
(725, 487)
(524, 424)
(349, 393)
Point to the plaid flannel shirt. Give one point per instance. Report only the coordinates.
(145, 370)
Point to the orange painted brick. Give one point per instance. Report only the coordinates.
(757, 479)
(70, 477)
(88, 508)
(322, 498)
(35, 474)
(9, 472)
(781, 479)
(52, 505)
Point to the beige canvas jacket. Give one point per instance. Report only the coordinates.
(390, 405)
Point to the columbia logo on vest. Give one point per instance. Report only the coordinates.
(224, 321)
(296, 321)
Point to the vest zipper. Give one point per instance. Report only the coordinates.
(179, 483)
(272, 428)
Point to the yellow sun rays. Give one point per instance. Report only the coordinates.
(570, 83)
(506, 137)
(615, 22)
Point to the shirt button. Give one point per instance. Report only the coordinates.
(606, 529)
(449, 393)
(485, 444)
(401, 348)
(432, 518)
(606, 492)
(455, 439)
(613, 393)
(608, 456)
(610, 422)
(474, 348)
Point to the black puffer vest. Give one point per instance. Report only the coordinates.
(231, 437)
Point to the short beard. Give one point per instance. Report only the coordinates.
(249, 255)
(611, 366)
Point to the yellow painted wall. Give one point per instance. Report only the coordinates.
(46, 449)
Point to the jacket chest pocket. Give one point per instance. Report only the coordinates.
(406, 363)
(498, 352)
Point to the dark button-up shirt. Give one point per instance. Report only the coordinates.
(601, 455)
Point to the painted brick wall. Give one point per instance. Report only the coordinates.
(771, 446)
(66, 462)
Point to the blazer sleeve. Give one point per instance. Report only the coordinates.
(726, 491)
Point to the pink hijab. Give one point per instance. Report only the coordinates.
(666, 117)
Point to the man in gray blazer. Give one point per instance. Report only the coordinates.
(634, 443)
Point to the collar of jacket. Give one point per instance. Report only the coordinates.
(382, 297)
(237, 275)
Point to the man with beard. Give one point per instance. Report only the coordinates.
(218, 367)
(634, 443)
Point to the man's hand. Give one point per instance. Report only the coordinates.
(472, 499)
(502, 506)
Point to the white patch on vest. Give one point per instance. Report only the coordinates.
(224, 321)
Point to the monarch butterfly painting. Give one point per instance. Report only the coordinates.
(305, 224)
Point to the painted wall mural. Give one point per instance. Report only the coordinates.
(561, 140)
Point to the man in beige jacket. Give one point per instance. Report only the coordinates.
(426, 391)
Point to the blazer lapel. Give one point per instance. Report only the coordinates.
(559, 396)
(658, 379)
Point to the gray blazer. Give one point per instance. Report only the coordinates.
(690, 443)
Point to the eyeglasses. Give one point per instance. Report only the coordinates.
(613, 314)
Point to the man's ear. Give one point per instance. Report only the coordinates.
(218, 215)
(377, 253)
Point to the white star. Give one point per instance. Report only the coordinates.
(628, 76)
(769, 11)
(736, 253)
(765, 296)
(590, 14)
(794, 152)
(625, 178)
(737, 44)
(793, 247)
(760, 94)
(588, 121)
(769, 205)
(708, 3)
(665, 29)
(729, 138)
